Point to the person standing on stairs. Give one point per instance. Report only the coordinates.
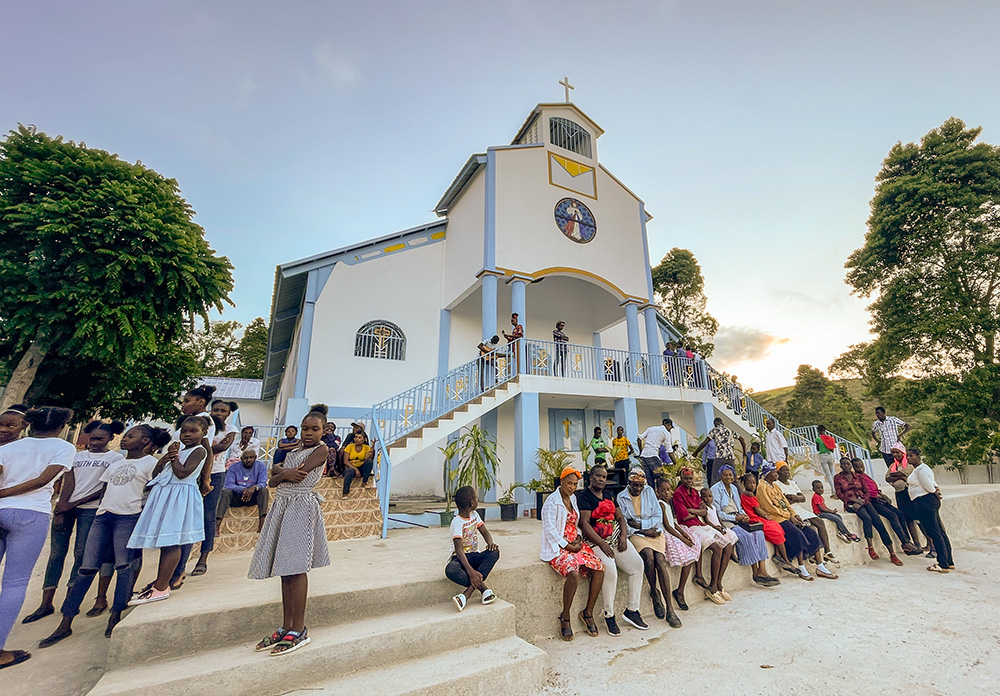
(293, 539)
(469, 567)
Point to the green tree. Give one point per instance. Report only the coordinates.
(816, 400)
(214, 347)
(680, 287)
(931, 259)
(252, 351)
(102, 265)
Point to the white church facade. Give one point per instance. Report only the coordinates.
(539, 227)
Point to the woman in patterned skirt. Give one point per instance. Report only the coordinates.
(293, 540)
(564, 550)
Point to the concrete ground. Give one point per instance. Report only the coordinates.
(878, 629)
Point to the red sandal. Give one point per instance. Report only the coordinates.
(871, 552)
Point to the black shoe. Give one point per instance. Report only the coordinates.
(38, 614)
(762, 581)
(634, 618)
(679, 600)
(54, 638)
(613, 629)
(673, 620)
(658, 605)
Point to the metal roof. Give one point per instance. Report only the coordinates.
(234, 388)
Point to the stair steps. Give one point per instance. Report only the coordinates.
(354, 517)
(414, 651)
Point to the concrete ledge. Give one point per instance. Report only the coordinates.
(375, 577)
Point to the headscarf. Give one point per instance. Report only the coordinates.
(726, 467)
(766, 468)
(779, 465)
(637, 474)
(687, 470)
(569, 470)
(902, 464)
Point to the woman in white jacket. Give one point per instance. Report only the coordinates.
(564, 550)
(926, 497)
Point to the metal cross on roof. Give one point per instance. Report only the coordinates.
(565, 83)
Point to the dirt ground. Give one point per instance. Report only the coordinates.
(885, 631)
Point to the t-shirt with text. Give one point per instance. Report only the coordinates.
(467, 529)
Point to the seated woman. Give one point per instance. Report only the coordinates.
(772, 530)
(796, 499)
(883, 506)
(645, 531)
(751, 547)
(683, 551)
(359, 460)
(691, 511)
(853, 493)
(564, 550)
(801, 540)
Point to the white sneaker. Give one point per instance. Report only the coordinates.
(149, 596)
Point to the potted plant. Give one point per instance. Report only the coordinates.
(508, 506)
(550, 466)
(478, 462)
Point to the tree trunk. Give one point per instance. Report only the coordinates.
(23, 375)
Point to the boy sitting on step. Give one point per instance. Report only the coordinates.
(468, 566)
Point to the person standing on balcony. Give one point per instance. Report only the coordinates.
(650, 442)
(777, 446)
(516, 333)
(487, 361)
(725, 443)
(560, 338)
(887, 431)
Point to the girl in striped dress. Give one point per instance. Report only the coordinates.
(293, 539)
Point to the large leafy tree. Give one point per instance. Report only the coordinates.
(214, 347)
(680, 287)
(101, 270)
(252, 351)
(931, 259)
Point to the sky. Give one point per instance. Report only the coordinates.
(752, 130)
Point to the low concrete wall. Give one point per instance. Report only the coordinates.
(536, 590)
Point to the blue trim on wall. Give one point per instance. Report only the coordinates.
(652, 331)
(489, 292)
(632, 325)
(490, 213)
(645, 250)
(444, 340)
(315, 282)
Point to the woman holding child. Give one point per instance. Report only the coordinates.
(564, 550)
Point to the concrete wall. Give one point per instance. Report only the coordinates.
(464, 243)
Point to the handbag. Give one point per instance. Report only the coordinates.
(752, 526)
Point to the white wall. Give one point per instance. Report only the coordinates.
(256, 412)
(464, 242)
(403, 288)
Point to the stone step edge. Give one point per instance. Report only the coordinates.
(509, 666)
(395, 638)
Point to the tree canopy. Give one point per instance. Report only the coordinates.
(816, 400)
(678, 282)
(102, 267)
(931, 259)
(219, 351)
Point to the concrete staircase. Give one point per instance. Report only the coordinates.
(384, 641)
(353, 517)
(441, 427)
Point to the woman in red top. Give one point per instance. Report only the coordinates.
(772, 530)
(691, 511)
(854, 494)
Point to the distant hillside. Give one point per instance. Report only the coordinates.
(775, 400)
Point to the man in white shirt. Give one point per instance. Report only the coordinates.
(649, 443)
(887, 431)
(777, 447)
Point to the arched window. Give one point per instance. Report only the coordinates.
(380, 339)
(570, 136)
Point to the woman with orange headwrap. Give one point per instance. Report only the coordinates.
(564, 550)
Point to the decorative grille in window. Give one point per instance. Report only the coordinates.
(568, 135)
(380, 339)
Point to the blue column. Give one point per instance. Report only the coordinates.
(488, 422)
(444, 340)
(517, 300)
(704, 417)
(632, 324)
(489, 305)
(626, 415)
(652, 331)
(526, 443)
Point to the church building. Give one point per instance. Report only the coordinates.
(538, 227)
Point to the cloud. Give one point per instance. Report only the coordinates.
(333, 67)
(735, 344)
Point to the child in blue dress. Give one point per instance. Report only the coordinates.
(174, 514)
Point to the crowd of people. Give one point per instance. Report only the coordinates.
(168, 490)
